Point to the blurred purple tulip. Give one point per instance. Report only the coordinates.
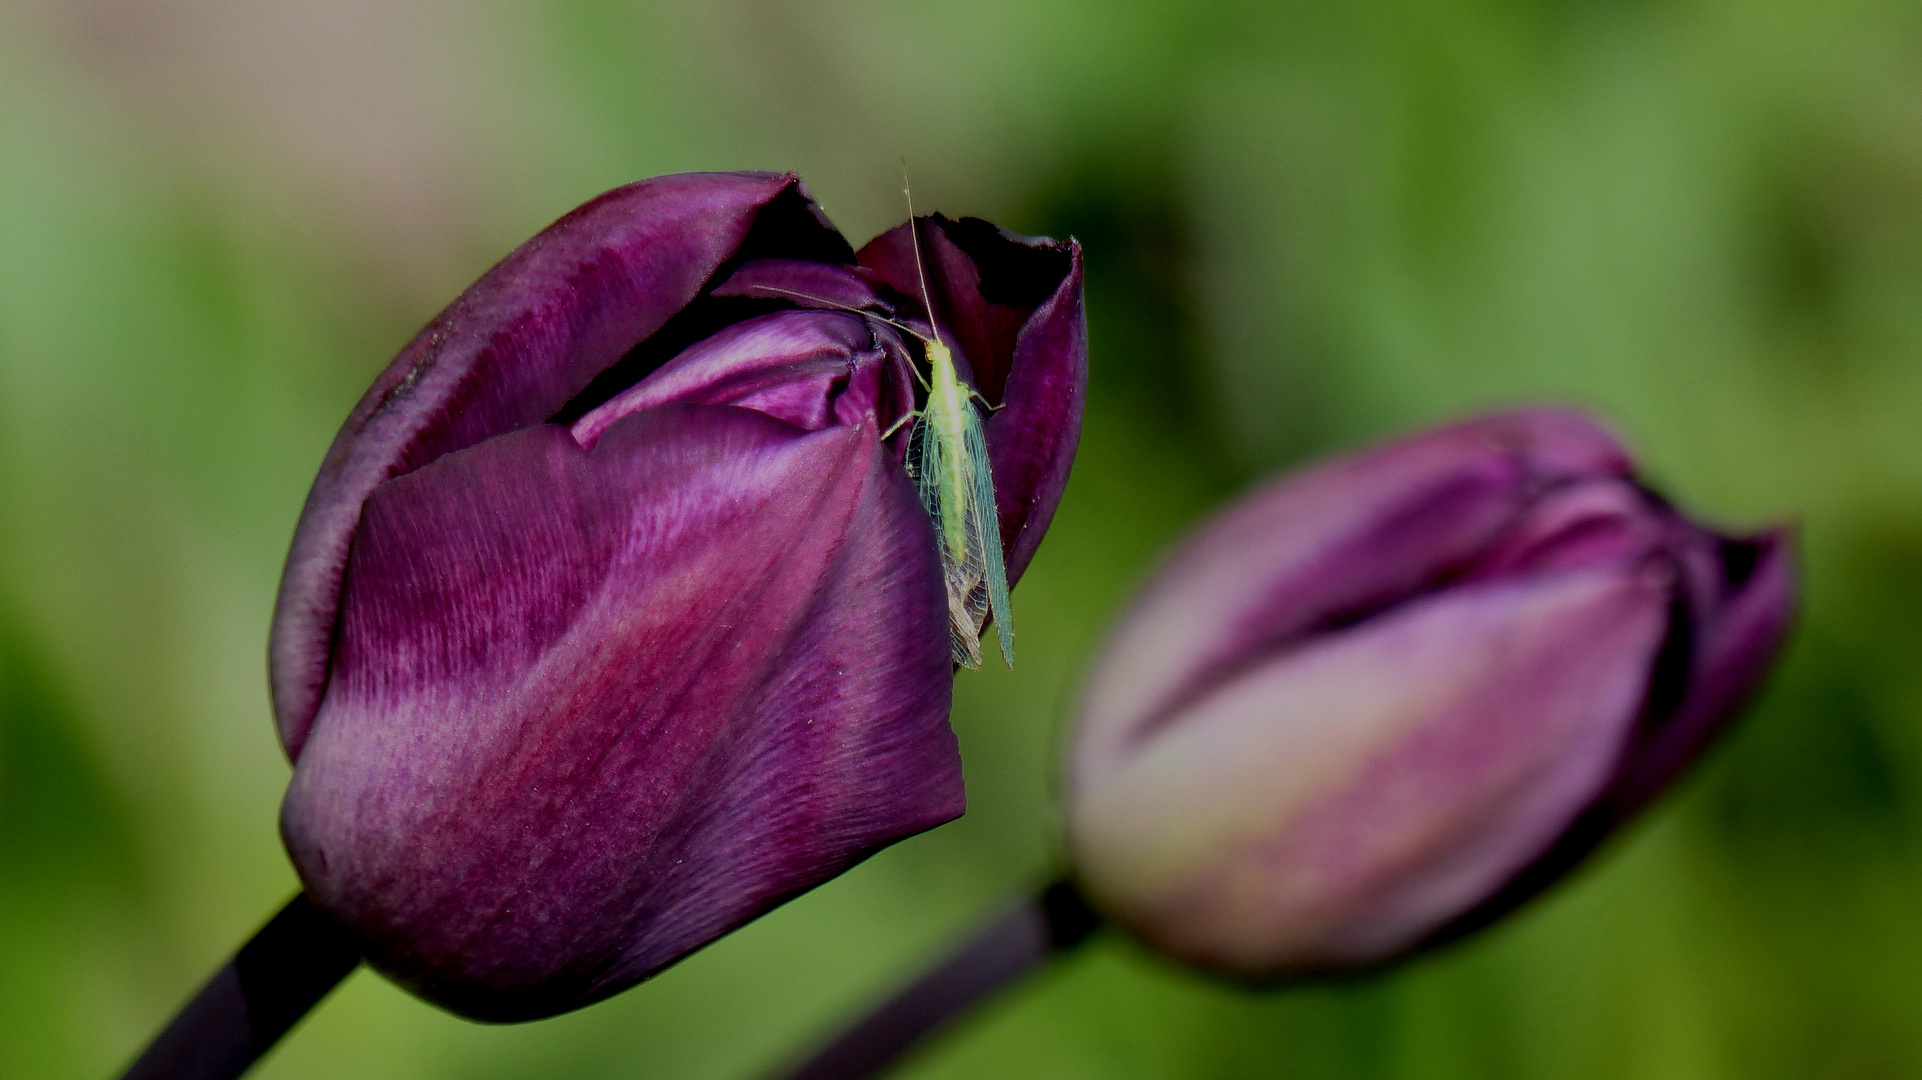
(611, 620)
(1379, 703)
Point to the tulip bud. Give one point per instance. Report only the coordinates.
(1378, 704)
(612, 620)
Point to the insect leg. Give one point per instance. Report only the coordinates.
(983, 399)
(899, 424)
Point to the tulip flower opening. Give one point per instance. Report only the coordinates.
(612, 619)
(1382, 702)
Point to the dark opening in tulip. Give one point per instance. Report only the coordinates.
(612, 621)
(1379, 703)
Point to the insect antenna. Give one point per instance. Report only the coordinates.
(920, 264)
(863, 312)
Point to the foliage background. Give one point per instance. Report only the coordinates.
(1308, 225)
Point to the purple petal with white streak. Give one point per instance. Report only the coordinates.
(789, 365)
(509, 352)
(535, 781)
(1321, 813)
(1324, 547)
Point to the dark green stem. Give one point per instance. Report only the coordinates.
(1019, 940)
(248, 1005)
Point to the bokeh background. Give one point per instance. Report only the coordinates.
(1308, 225)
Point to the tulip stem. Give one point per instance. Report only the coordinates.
(251, 1002)
(1020, 939)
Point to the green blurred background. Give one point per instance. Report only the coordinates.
(1307, 225)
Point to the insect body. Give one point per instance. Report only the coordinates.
(948, 459)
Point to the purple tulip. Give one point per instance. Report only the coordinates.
(1377, 704)
(612, 620)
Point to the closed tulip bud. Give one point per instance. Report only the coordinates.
(613, 618)
(1379, 703)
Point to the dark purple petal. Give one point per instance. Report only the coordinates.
(1033, 436)
(724, 678)
(1325, 547)
(1727, 626)
(1738, 605)
(1579, 523)
(984, 330)
(1013, 307)
(512, 350)
(808, 284)
(789, 365)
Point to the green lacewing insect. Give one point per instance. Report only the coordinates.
(948, 462)
(948, 459)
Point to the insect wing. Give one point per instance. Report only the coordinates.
(933, 461)
(984, 533)
(949, 463)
